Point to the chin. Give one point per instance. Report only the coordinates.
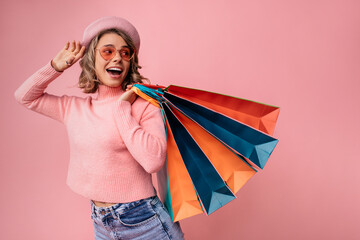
(112, 83)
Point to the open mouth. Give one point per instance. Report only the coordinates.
(114, 72)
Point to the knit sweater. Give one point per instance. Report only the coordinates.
(114, 145)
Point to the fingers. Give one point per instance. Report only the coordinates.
(129, 96)
(70, 54)
(82, 51)
(67, 46)
(71, 60)
(128, 87)
(77, 51)
(78, 47)
(73, 46)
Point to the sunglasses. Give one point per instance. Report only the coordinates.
(109, 52)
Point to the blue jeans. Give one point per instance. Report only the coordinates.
(142, 219)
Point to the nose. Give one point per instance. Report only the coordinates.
(117, 56)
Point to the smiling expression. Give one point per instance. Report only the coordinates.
(111, 72)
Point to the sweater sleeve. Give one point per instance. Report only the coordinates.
(31, 94)
(145, 140)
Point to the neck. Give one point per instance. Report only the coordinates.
(106, 92)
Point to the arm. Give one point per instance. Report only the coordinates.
(146, 140)
(31, 93)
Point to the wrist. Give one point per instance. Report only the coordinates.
(52, 65)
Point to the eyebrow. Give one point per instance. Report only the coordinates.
(111, 45)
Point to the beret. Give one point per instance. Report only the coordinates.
(111, 22)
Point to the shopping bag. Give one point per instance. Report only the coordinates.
(211, 154)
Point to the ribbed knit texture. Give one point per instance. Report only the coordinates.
(114, 145)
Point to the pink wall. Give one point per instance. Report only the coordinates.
(300, 55)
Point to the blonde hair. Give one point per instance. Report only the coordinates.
(88, 80)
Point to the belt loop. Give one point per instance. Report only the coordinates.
(113, 213)
(154, 200)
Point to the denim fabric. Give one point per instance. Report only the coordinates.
(143, 219)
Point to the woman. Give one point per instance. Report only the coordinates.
(116, 140)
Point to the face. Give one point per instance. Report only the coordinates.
(120, 67)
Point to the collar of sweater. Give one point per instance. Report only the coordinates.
(106, 92)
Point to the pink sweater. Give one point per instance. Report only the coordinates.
(114, 146)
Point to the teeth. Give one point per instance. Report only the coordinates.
(114, 69)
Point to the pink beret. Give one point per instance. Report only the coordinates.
(111, 22)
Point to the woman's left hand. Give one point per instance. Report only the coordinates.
(129, 95)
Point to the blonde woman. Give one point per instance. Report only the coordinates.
(116, 139)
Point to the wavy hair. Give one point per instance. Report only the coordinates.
(88, 81)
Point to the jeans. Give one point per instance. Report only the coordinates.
(142, 219)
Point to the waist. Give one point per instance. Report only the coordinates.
(121, 208)
(103, 204)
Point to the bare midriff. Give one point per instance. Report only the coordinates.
(103, 204)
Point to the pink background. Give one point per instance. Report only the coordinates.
(303, 56)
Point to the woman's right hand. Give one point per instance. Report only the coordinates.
(68, 56)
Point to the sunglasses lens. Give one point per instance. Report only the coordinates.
(107, 52)
(126, 53)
